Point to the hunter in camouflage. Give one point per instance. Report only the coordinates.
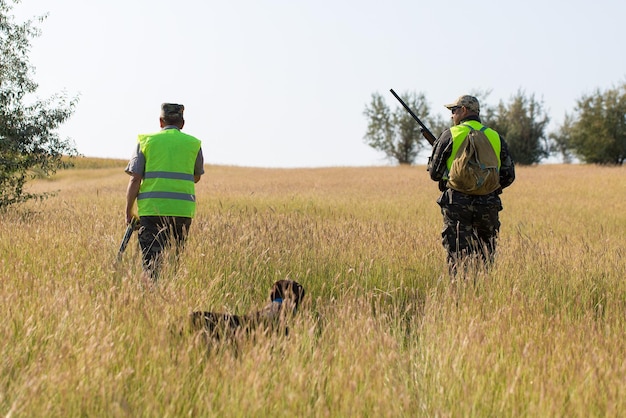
(470, 222)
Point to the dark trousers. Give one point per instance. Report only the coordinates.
(156, 234)
(470, 228)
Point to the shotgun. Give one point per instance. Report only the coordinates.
(423, 129)
(132, 226)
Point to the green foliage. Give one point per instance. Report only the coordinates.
(28, 141)
(560, 141)
(396, 133)
(598, 135)
(522, 122)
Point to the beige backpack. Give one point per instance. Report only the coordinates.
(475, 167)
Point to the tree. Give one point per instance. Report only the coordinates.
(598, 134)
(396, 133)
(487, 113)
(560, 141)
(28, 141)
(522, 123)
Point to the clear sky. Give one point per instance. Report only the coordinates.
(278, 83)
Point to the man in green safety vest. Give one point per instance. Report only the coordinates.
(471, 221)
(163, 171)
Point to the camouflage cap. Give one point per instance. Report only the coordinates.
(172, 110)
(470, 103)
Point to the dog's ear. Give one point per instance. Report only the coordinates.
(298, 292)
(293, 290)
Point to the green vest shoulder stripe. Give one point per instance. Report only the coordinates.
(168, 187)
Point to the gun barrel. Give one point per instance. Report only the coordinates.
(425, 131)
(127, 234)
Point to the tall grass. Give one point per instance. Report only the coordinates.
(382, 332)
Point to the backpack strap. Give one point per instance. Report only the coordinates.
(483, 129)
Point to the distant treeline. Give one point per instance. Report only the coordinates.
(595, 131)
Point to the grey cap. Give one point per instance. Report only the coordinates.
(469, 102)
(172, 110)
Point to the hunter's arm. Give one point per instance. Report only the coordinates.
(131, 195)
(441, 152)
(507, 166)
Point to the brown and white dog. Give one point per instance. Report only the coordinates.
(285, 298)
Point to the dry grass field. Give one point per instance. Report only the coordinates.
(382, 332)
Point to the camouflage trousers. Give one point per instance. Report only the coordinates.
(470, 227)
(156, 234)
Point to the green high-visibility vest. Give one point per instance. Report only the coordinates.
(168, 187)
(460, 132)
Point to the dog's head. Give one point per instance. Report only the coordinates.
(287, 290)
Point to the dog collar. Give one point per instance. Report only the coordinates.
(278, 300)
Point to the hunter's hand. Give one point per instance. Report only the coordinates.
(131, 217)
